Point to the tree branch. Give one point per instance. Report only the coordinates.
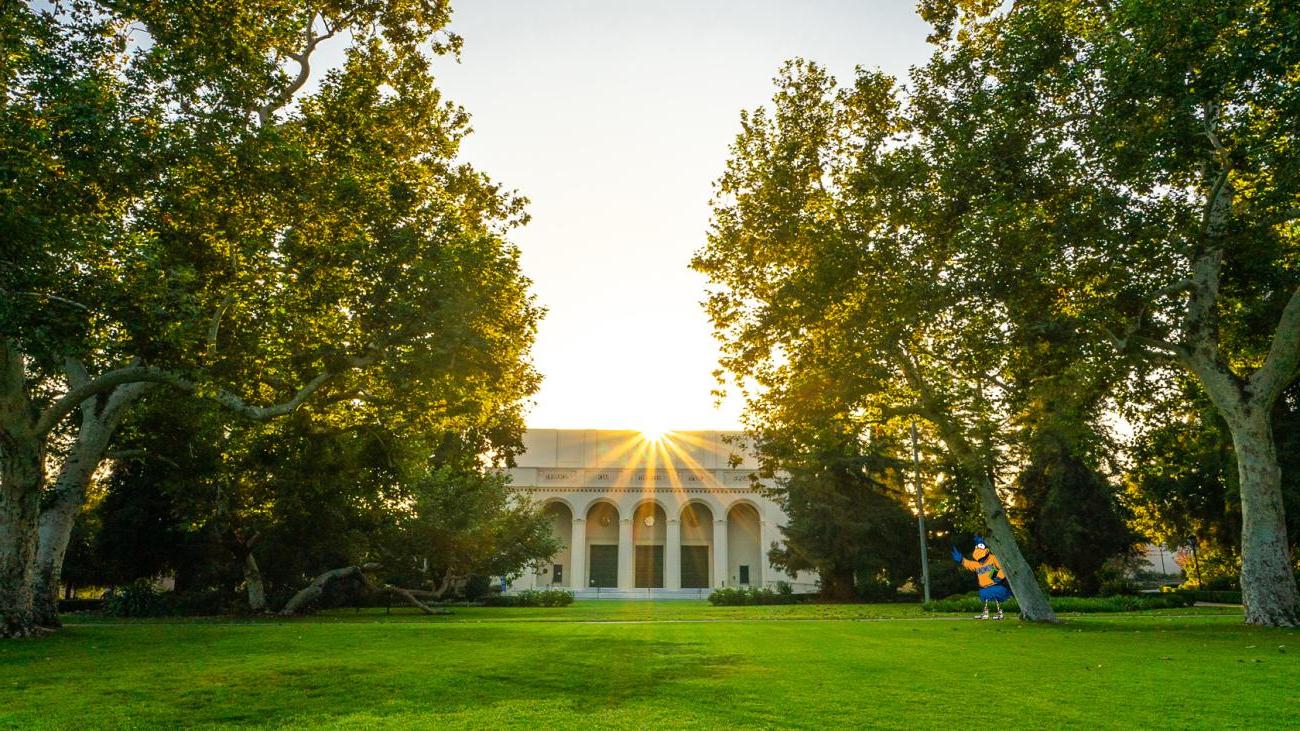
(148, 374)
(1283, 355)
(303, 59)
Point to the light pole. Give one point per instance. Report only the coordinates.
(920, 517)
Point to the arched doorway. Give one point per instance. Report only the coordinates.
(697, 546)
(602, 546)
(744, 546)
(649, 536)
(560, 571)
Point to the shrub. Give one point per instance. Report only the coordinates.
(729, 596)
(971, 603)
(531, 598)
(140, 598)
(1058, 580)
(80, 605)
(1217, 597)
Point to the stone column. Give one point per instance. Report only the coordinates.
(626, 555)
(673, 555)
(578, 555)
(720, 556)
(766, 534)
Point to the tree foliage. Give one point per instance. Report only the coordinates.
(181, 213)
(844, 501)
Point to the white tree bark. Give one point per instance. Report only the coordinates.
(98, 423)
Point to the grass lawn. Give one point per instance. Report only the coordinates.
(635, 664)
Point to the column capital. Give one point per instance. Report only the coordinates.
(580, 520)
(672, 521)
(720, 521)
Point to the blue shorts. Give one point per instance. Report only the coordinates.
(997, 592)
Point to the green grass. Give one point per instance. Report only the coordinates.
(634, 665)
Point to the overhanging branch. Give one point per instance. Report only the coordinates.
(148, 374)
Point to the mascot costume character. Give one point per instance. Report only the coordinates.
(993, 582)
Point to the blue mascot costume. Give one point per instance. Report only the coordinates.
(993, 582)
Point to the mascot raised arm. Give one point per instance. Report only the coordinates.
(993, 583)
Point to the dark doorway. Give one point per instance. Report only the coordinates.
(604, 567)
(557, 573)
(649, 567)
(695, 567)
(744, 575)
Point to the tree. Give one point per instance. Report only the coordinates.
(847, 521)
(456, 522)
(1071, 515)
(834, 251)
(1175, 124)
(179, 216)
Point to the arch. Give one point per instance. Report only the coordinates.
(602, 544)
(546, 501)
(649, 544)
(745, 552)
(743, 501)
(697, 548)
(560, 570)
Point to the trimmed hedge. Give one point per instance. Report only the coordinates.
(1217, 597)
(745, 595)
(531, 598)
(970, 603)
(81, 605)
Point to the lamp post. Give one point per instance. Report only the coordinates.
(920, 517)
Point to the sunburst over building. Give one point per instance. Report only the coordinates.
(661, 515)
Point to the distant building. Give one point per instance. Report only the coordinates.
(639, 516)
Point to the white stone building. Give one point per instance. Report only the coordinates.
(672, 515)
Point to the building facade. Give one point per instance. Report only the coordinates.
(664, 516)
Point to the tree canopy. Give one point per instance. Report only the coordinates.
(183, 212)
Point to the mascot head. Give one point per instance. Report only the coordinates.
(981, 549)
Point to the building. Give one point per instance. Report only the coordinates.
(659, 516)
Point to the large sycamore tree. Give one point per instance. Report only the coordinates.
(837, 275)
(182, 212)
(1182, 124)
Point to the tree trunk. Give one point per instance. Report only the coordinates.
(21, 477)
(253, 583)
(1268, 586)
(837, 585)
(60, 516)
(1034, 605)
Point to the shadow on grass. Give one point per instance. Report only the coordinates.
(319, 674)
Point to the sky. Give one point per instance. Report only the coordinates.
(613, 118)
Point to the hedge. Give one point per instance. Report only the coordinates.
(531, 598)
(81, 605)
(1083, 605)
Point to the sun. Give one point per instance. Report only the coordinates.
(653, 432)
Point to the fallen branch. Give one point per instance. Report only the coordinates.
(313, 591)
(409, 596)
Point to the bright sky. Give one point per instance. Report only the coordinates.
(613, 117)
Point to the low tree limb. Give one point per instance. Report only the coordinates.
(308, 595)
(109, 380)
(409, 596)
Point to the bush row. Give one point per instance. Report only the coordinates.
(1218, 597)
(744, 595)
(531, 598)
(1084, 605)
(81, 605)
